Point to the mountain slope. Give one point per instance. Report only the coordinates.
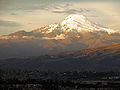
(75, 24)
(105, 58)
(73, 33)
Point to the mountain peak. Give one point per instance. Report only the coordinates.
(81, 23)
(76, 17)
(74, 21)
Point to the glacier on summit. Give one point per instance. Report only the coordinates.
(80, 22)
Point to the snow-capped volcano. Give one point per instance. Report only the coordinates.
(71, 26)
(73, 33)
(81, 23)
(75, 22)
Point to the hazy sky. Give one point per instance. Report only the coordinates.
(31, 14)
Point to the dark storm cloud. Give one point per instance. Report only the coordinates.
(4, 23)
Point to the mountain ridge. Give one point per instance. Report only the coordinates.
(105, 58)
(69, 35)
(73, 23)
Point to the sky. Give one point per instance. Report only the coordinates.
(28, 15)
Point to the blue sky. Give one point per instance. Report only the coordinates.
(28, 15)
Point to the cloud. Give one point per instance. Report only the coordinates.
(13, 13)
(5, 23)
(71, 11)
(65, 8)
